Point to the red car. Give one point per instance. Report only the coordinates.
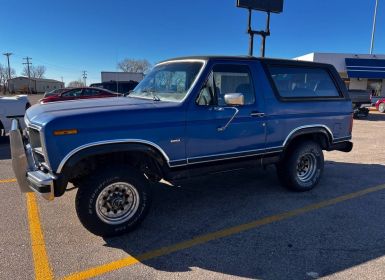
(380, 105)
(80, 93)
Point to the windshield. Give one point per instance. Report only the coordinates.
(168, 82)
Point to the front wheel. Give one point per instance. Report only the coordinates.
(381, 107)
(112, 201)
(302, 167)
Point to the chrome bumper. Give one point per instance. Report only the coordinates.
(27, 174)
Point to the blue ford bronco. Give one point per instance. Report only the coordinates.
(190, 116)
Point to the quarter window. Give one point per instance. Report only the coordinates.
(297, 82)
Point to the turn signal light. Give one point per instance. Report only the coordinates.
(65, 132)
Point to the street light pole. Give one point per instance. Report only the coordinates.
(374, 28)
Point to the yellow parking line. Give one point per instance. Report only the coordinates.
(125, 262)
(7, 181)
(39, 253)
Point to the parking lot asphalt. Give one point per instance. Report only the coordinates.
(236, 225)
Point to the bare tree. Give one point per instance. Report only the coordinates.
(78, 83)
(35, 71)
(4, 76)
(134, 65)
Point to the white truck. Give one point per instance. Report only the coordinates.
(10, 107)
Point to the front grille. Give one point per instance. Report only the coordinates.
(35, 142)
(34, 138)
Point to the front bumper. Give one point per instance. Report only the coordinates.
(28, 176)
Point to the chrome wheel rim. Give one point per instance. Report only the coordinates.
(306, 167)
(117, 203)
(382, 107)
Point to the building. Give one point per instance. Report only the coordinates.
(359, 71)
(121, 76)
(36, 85)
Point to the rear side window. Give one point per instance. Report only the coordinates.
(303, 82)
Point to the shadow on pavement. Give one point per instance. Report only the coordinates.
(324, 241)
(5, 150)
(374, 116)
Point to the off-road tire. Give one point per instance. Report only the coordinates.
(91, 187)
(290, 169)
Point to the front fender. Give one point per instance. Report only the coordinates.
(104, 149)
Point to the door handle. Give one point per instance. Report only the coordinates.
(223, 128)
(257, 114)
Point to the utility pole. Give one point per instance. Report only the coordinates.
(8, 54)
(85, 77)
(374, 28)
(28, 71)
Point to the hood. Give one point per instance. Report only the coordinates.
(40, 114)
(13, 98)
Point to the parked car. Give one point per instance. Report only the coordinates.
(375, 98)
(380, 105)
(120, 87)
(188, 117)
(11, 107)
(80, 93)
(55, 91)
(360, 101)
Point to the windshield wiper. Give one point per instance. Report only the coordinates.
(155, 97)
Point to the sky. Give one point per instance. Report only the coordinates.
(70, 36)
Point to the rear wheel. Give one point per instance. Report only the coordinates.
(302, 167)
(381, 107)
(112, 201)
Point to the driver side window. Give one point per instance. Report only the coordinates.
(233, 79)
(73, 93)
(226, 79)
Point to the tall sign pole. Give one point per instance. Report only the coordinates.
(268, 6)
(251, 34)
(374, 28)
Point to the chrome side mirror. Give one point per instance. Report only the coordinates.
(236, 99)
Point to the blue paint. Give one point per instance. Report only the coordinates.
(365, 68)
(195, 126)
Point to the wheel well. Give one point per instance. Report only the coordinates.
(136, 159)
(148, 161)
(322, 138)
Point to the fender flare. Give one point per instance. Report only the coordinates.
(300, 131)
(105, 148)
